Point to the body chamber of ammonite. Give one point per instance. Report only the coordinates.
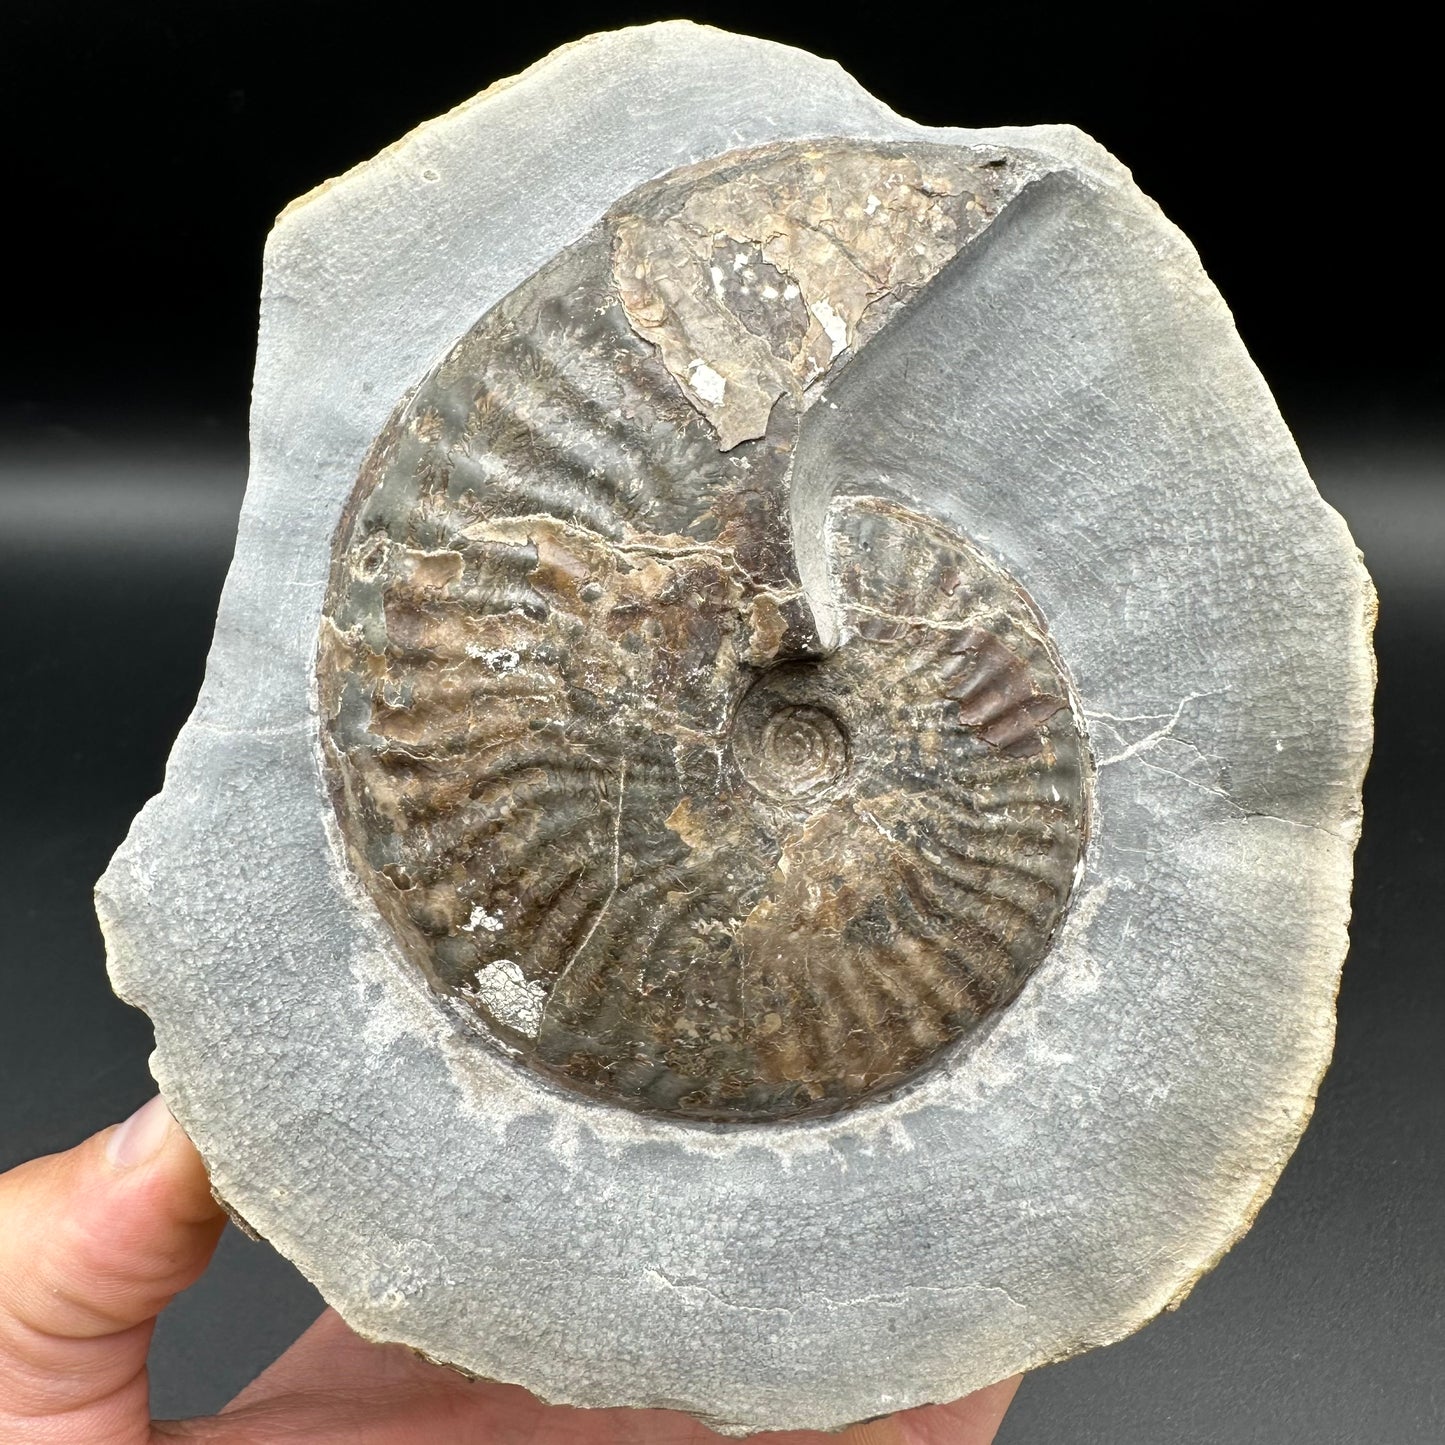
(769, 826)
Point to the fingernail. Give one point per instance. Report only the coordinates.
(141, 1136)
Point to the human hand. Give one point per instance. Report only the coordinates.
(96, 1241)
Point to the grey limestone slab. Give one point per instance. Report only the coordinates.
(1072, 394)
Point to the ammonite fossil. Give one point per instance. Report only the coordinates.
(674, 827)
(768, 830)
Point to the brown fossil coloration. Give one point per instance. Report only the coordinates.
(661, 822)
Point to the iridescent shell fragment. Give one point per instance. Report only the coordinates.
(664, 824)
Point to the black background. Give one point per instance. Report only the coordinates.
(147, 148)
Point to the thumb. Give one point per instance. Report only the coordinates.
(93, 1244)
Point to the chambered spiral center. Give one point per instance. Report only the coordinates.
(802, 752)
(789, 750)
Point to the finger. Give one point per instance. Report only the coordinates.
(332, 1386)
(332, 1356)
(95, 1243)
(973, 1420)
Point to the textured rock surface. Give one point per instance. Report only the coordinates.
(1064, 399)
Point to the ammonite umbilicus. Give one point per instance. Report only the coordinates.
(768, 829)
(674, 826)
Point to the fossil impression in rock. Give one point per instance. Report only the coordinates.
(769, 827)
(671, 826)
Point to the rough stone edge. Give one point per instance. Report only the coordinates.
(1078, 151)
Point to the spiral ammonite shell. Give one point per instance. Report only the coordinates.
(660, 821)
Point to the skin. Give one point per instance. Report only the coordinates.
(96, 1241)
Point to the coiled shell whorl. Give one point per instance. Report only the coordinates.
(661, 821)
